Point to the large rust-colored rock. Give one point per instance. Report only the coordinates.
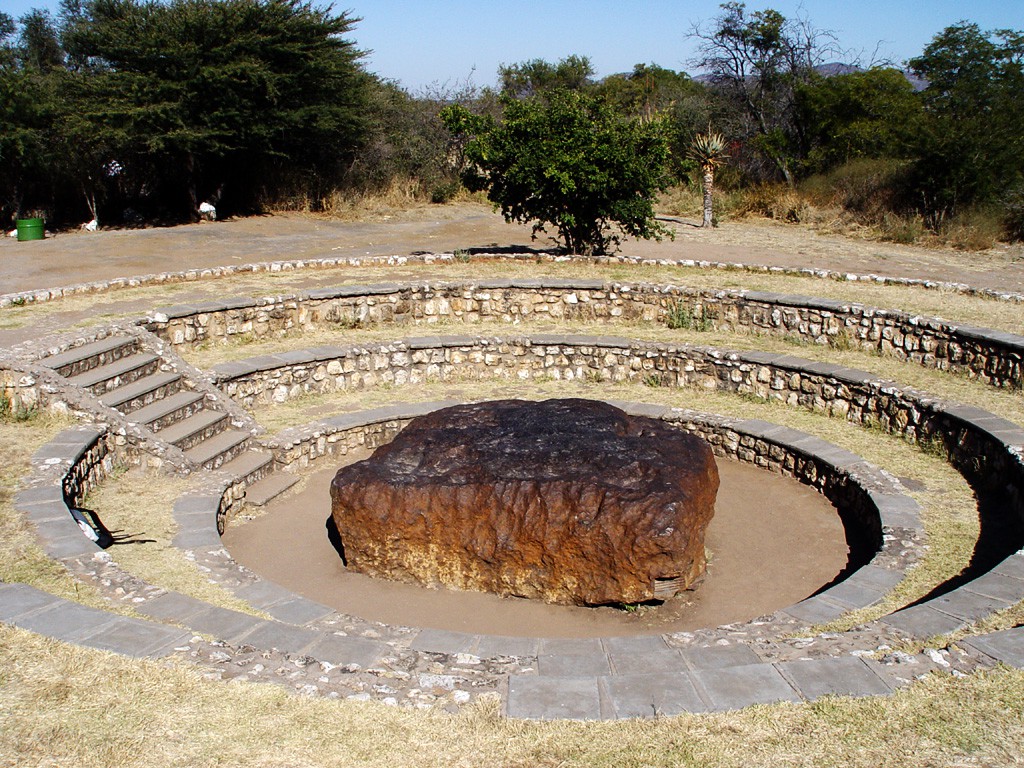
(569, 501)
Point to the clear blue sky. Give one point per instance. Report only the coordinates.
(422, 43)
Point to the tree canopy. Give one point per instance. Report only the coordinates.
(568, 161)
(193, 98)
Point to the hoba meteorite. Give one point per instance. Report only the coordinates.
(569, 501)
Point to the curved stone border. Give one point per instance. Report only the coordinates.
(40, 296)
(995, 357)
(612, 677)
(601, 673)
(987, 450)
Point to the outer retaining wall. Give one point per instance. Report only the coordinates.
(995, 357)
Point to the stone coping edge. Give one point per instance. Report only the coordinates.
(42, 295)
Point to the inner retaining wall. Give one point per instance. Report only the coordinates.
(987, 449)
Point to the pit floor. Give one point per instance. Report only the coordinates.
(771, 543)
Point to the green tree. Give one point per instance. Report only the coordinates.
(23, 125)
(567, 161)
(537, 76)
(210, 95)
(871, 114)
(756, 61)
(971, 150)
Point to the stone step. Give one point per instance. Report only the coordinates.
(88, 356)
(219, 449)
(140, 393)
(122, 371)
(263, 491)
(250, 466)
(166, 411)
(196, 429)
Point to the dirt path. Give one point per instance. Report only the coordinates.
(77, 257)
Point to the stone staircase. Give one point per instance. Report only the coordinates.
(152, 392)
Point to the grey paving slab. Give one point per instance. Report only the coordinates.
(489, 646)
(21, 599)
(63, 451)
(738, 687)
(719, 656)
(283, 637)
(1006, 646)
(996, 585)
(66, 621)
(968, 605)
(1012, 566)
(921, 621)
(571, 645)
(194, 504)
(897, 510)
(552, 698)
(41, 514)
(172, 606)
(880, 578)
(853, 594)
(653, 695)
(443, 641)
(46, 494)
(263, 593)
(233, 369)
(198, 538)
(132, 637)
(643, 662)
(223, 624)
(634, 645)
(69, 543)
(298, 610)
(573, 665)
(338, 649)
(841, 676)
(816, 610)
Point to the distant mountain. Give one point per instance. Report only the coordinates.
(834, 68)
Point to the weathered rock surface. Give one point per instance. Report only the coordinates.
(570, 501)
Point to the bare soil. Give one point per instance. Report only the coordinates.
(77, 257)
(771, 543)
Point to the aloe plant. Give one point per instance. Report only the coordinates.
(708, 150)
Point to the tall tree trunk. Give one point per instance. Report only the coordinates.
(707, 182)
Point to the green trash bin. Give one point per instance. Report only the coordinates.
(29, 229)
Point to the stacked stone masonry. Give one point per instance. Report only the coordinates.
(992, 356)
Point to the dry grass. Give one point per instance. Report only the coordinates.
(139, 503)
(68, 706)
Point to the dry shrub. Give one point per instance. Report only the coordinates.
(901, 229)
(1013, 214)
(683, 200)
(972, 230)
(773, 201)
(866, 188)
